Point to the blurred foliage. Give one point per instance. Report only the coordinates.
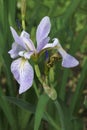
(69, 24)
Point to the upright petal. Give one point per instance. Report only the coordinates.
(17, 38)
(16, 48)
(43, 30)
(25, 34)
(43, 43)
(28, 42)
(23, 73)
(68, 61)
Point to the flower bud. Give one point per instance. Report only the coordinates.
(51, 92)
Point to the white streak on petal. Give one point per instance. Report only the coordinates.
(43, 30)
(25, 34)
(26, 55)
(51, 45)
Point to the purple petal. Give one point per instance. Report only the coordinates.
(17, 38)
(42, 44)
(43, 30)
(23, 73)
(69, 61)
(51, 45)
(15, 66)
(28, 42)
(15, 50)
(25, 34)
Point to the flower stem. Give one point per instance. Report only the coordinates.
(48, 117)
(23, 10)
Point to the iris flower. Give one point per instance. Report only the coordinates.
(23, 48)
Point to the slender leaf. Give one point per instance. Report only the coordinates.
(7, 110)
(79, 88)
(43, 99)
(20, 103)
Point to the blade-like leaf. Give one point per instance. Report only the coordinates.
(20, 103)
(6, 108)
(43, 99)
(79, 88)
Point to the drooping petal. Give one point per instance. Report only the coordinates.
(16, 48)
(68, 61)
(51, 45)
(43, 30)
(17, 38)
(43, 43)
(28, 42)
(26, 77)
(15, 66)
(23, 73)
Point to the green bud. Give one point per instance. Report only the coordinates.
(37, 70)
(51, 74)
(51, 92)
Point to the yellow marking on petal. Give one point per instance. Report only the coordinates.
(23, 60)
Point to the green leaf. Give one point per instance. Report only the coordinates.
(79, 40)
(43, 99)
(71, 9)
(6, 108)
(61, 114)
(22, 104)
(79, 88)
(62, 92)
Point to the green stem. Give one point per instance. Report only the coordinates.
(23, 10)
(23, 24)
(48, 117)
(36, 90)
(51, 121)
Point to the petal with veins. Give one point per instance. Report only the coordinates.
(28, 42)
(25, 34)
(68, 61)
(17, 38)
(51, 45)
(25, 54)
(16, 48)
(43, 43)
(23, 73)
(43, 30)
